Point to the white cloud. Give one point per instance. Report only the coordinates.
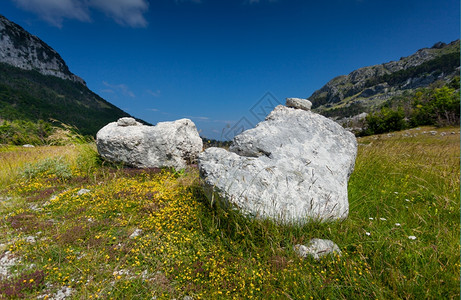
(124, 12)
(154, 94)
(120, 89)
(55, 11)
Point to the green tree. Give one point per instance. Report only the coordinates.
(439, 106)
(385, 120)
(446, 106)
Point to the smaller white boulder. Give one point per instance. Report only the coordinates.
(168, 144)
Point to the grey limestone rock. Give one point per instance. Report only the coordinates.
(293, 167)
(127, 121)
(299, 103)
(168, 144)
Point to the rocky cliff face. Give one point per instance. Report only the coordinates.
(371, 86)
(26, 51)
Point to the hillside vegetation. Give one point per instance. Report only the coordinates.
(33, 97)
(438, 105)
(72, 224)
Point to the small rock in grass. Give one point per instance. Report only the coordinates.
(412, 237)
(30, 239)
(7, 260)
(63, 293)
(35, 207)
(7, 198)
(136, 233)
(83, 191)
(317, 248)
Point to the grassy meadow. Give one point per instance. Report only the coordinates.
(71, 224)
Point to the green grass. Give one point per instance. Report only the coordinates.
(188, 247)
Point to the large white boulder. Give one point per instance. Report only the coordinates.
(293, 167)
(168, 144)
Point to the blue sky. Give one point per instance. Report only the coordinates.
(216, 61)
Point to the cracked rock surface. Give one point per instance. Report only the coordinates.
(293, 167)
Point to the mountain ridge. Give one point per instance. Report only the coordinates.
(365, 89)
(37, 85)
(23, 50)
